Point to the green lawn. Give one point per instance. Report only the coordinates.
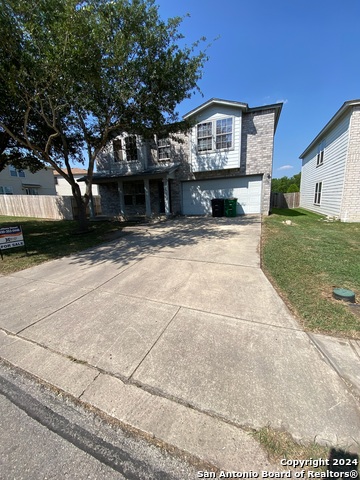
(47, 239)
(307, 260)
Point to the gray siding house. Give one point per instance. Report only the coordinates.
(227, 153)
(330, 174)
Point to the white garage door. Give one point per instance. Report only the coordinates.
(197, 195)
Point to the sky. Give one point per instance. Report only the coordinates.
(302, 53)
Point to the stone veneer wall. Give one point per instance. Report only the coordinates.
(257, 146)
(257, 142)
(110, 203)
(181, 156)
(350, 207)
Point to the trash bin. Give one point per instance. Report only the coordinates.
(217, 205)
(230, 207)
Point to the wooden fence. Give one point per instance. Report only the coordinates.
(42, 206)
(285, 200)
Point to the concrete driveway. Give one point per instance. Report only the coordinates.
(178, 321)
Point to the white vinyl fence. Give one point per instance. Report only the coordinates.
(41, 206)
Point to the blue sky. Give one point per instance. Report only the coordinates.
(303, 53)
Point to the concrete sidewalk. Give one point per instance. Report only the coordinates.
(174, 330)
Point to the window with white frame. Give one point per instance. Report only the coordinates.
(16, 173)
(204, 137)
(118, 150)
(125, 149)
(224, 133)
(318, 189)
(215, 135)
(320, 158)
(131, 148)
(13, 171)
(6, 191)
(163, 146)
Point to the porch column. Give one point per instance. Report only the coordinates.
(121, 197)
(147, 197)
(166, 196)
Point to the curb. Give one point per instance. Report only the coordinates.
(193, 435)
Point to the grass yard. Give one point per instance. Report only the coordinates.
(49, 239)
(307, 260)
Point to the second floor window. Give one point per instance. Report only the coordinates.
(215, 135)
(118, 150)
(131, 148)
(163, 145)
(320, 158)
(125, 149)
(224, 133)
(16, 173)
(204, 137)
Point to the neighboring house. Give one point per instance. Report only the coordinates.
(330, 174)
(23, 182)
(63, 187)
(228, 153)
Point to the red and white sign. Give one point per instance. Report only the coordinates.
(11, 237)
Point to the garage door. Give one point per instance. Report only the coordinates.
(197, 195)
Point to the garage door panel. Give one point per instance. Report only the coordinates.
(197, 195)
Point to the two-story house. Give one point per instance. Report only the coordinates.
(23, 182)
(228, 153)
(330, 173)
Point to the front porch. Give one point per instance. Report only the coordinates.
(146, 193)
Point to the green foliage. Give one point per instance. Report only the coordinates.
(293, 188)
(75, 74)
(282, 185)
(12, 154)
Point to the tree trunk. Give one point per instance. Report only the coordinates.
(81, 204)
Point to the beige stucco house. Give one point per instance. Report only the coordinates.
(63, 187)
(23, 182)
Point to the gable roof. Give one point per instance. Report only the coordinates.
(342, 110)
(214, 101)
(230, 103)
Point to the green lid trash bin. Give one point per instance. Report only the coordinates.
(230, 207)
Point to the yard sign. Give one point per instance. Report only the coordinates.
(11, 237)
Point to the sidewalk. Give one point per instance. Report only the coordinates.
(174, 330)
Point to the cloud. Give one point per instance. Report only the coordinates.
(284, 101)
(286, 167)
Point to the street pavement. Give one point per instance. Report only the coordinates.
(174, 330)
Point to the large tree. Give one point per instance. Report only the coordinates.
(80, 72)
